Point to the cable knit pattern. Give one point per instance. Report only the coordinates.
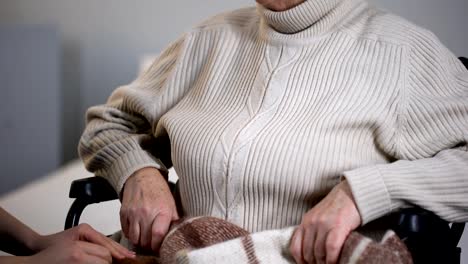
(267, 111)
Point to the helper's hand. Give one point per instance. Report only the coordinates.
(323, 230)
(81, 244)
(148, 208)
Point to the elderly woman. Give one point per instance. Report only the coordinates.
(326, 114)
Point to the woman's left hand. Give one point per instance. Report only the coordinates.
(323, 230)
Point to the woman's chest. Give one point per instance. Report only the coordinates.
(265, 94)
(303, 114)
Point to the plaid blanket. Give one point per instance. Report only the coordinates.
(204, 240)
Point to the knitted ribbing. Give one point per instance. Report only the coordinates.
(263, 123)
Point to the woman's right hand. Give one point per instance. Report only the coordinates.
(148, 208)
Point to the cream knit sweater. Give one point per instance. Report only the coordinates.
(267, 111)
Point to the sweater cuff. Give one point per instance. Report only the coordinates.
(370, 193)
(127, 164)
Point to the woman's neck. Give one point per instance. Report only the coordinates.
(309, 18)
(279, 5)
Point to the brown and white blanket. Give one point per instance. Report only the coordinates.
(204, 240)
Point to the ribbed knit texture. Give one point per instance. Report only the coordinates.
(267, 111)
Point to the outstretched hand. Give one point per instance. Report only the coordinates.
(323, 230)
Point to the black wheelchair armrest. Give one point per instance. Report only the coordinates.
(429, 238)
(94, 188)
(464, 61)
(87, 191)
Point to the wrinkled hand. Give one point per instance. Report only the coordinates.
(148, 208)
(323, 230)
(81, 244)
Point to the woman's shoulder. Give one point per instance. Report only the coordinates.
(381, 25)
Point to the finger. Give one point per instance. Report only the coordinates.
(334, 243)
(90, 259)
(134, 232)
(87, 233)
(96, 250)
(116, 250)
(123, 251)
(295, 246)
(145, 232)
(319, 245)
(308, 244)
(159, 229)
(124, 223)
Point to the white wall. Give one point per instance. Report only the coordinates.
(104, 39)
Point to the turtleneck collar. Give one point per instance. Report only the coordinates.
(309, 18)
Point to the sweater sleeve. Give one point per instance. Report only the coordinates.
(115, 142)
(431, 170)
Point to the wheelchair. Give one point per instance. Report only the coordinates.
(429, 238)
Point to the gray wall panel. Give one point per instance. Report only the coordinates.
(29, 104)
